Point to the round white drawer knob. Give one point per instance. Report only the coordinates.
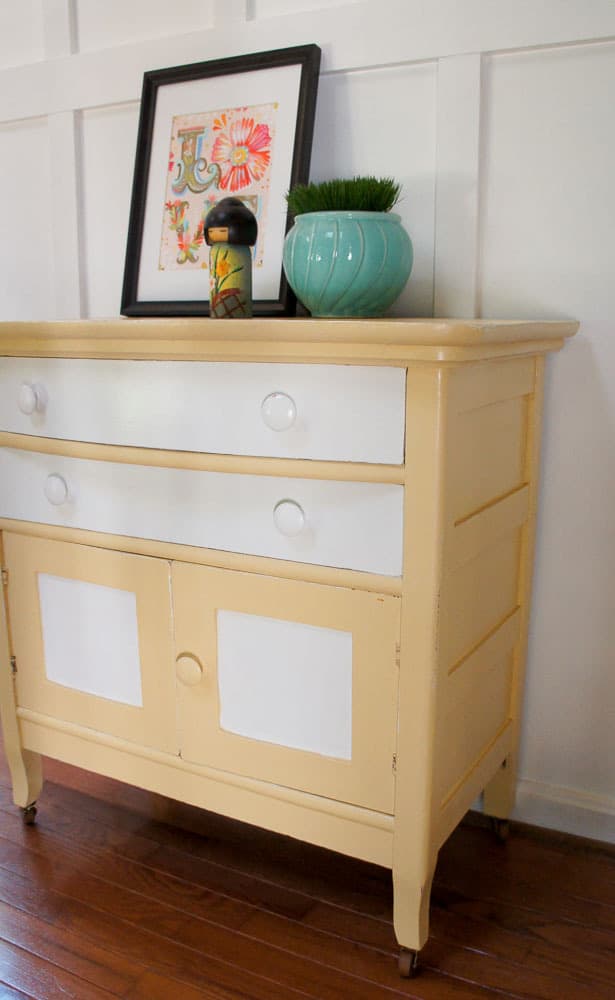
(32, 398)
(189, 670)
(289, 518)
(56, 489)
(278, 411)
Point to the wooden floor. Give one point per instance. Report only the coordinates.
(116, 893)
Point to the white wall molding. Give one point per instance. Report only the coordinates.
(359, 37)
(65, 229)
(567, 809)
(229, 12)
(457, 186)
(59, 27)
(60, 38)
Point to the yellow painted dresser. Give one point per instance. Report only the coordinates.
(278, 569)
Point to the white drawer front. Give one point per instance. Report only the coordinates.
(348, 525)
(336, 412)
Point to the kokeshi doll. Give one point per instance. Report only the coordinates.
(230, 231)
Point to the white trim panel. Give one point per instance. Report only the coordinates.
(570, 810)
(346, 525)
(358, 36)
(457, 180)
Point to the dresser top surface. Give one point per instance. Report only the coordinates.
(266, 339)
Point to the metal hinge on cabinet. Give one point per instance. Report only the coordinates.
(13, 665)
(5, 577)
(397, 655)
(394, 762)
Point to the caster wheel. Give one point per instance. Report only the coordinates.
(501, 828)
(29, 815)
(408, 962)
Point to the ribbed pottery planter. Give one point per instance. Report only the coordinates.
(347, 263)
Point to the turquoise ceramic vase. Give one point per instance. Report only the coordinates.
(347, 263)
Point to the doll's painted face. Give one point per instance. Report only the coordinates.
(217, 234)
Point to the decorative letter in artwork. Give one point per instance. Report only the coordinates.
(212, 154)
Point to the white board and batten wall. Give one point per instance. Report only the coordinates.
(497, 118)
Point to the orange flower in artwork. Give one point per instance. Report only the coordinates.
(242, 151)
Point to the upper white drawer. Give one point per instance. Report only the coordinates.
(333, 412)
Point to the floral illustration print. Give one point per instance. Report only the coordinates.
(242, 150)
(212, 154)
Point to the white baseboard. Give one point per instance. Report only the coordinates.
(567, 809)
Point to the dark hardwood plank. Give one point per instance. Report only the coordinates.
(69, 951)
(373, 966)
(138, 897)
(532, 887)
(168, 957)
(493, 863)
(40, 979)
(208, 937)
(279, 860)
(82, 957)
(564, 943)
(377, 966)
(154, 986)
(8, 993)
(78, 830)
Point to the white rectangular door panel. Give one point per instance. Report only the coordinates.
(286, 683)
(101, 655)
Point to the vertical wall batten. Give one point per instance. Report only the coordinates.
(64, 170)
(457, 180)
(59, 27)
(230, 11)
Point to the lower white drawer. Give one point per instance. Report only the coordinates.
(347, 525)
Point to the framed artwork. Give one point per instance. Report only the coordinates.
(241, 126)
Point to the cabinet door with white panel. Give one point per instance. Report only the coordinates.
(289, 682)
(92, 637)
(279, 680)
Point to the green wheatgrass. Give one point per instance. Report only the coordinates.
(353, 194)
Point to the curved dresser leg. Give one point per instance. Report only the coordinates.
(499, 797)
(24, 766)
(29, 815)
(26, 776)
(411, 920)
(408, 963)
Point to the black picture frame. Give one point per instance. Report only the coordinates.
(136, 302)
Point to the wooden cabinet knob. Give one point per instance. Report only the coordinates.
(189, 669)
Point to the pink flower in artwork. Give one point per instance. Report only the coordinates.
(242, 152)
